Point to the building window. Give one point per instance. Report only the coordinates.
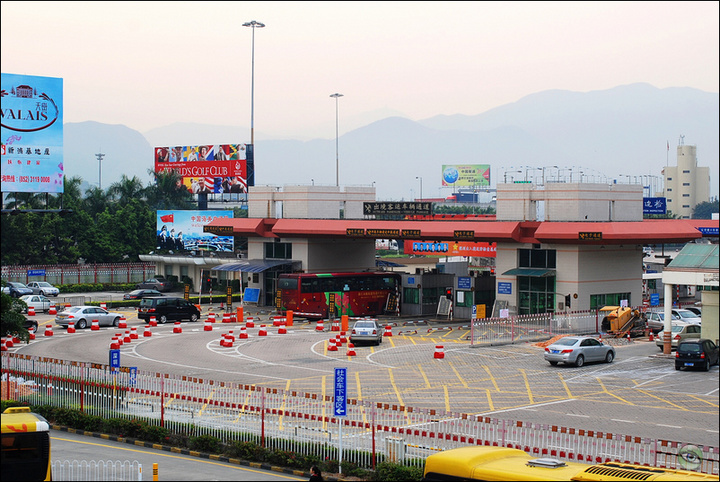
(686, 206)
(411, 296)
(610, 299)
(686, 172)
(686, 184)
(686, 195)
(669, 189)
(669, 178)
(278, 250)
(536, 294)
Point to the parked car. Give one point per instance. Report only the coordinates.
(656, 321)
(702, 353)
(38, 302)
(695, 309)
(687, 316)
(158, 283)
(679, 331)
(166, 309)
(576, 350)
(31, 326)
(83, 316)
(16, 290)
(366, 330)
(138, 294)
(43, 288)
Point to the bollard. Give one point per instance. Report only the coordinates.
(319, 326)
(133, 333)
(153, 321)
(211, 317)
(289, 318)
(335, 326)
(53, 310)
(282, 330)
(239, 314)
(243, 333)
(177, 328)
(31, 311)
(439, 353)
(208, 325)
(250, 323)
(343, 338)
(71, 327)
(345, 323)
(147, 331)
(122, 323)
(48, 330)
(388, 331)
(126, 338)
(95, 326)
(351, 349)
(263, 331)
(331, 345)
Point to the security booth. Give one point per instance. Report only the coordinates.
(421, 292)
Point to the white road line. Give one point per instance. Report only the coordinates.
(668, 426)
(620, 420)
(524, 407)
(577, 415)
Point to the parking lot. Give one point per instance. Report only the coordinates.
(639, 394)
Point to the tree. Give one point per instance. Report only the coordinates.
(168, 192)
(12, 321)
(705, 210)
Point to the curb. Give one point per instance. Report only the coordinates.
(192, 453)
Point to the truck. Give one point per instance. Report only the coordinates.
(622, 320)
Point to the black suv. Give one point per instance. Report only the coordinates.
(167, 309)
(702, 353)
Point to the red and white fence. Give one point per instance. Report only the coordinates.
(541, 326)
(304, 422)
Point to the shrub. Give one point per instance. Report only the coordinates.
(390, 472)
(205, 443)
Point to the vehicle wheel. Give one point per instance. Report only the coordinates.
(116, 322)
(609, 357)
(580, 361)
(554, 363)
(42, 293)
(194, 317)
(81, 324)
(33, 328)
(707, 366)
(162, 319)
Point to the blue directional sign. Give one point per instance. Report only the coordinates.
(340, 392)
(36, 272)
(654, 205)
(133, 376)
(115, 359)
(504, 288)
(464, 282)
(654, 299)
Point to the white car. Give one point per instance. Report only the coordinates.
(43, 288)
(687, 316)
(38, 302)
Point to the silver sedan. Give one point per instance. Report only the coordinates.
(38, 302)
(83, 316)
(366, 330)
(576, 350)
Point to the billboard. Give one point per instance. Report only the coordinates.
(183, 231)
(450, 248)
(654, 205)
(32, 133)
(207, 169)
(457, 175)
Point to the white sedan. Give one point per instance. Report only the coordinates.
(43, 288)
(38, 302)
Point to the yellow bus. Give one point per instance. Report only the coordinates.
(500, 463)
(25, 445)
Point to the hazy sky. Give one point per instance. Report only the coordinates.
(150, 64)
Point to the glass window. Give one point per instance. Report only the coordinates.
(411, 295)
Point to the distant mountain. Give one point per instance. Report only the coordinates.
(617, 132)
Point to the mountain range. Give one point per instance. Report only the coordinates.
(628, 133)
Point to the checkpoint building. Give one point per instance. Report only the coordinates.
(576, 242)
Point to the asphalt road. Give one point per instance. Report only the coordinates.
(72, 447)
(639, 394)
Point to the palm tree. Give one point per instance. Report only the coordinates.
(168, 192)
(126, 189)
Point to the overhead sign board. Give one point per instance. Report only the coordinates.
(397, 208)
(590, 236)
(459, 175)
(654, 205)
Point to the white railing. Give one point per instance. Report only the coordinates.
(96, 470)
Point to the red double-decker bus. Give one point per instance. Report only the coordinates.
(321, 295)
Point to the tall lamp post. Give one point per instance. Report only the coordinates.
(421, 196)
(337, 157)
(100, 156)
(252, 24)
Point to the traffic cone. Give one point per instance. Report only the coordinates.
(103, 306)
(48, 330)
(343, 338)
(388, 331)
(122, 323)
(208, 325)
(351, 349)
(133, 333)
(320, 326)
(8, 342)
(243, 333)
(4, 347)
(95, 326)
(114, 345)
(338, 341)
(126, 338)
(331, 345)
(177, 328)
(263, 331)
(153, 321)
(335, 326)
(147, 331)
(226, 318)
(31, 311)
(71, 327)
(282, 330)
(651, 336)
(53, 310)
(250, 323)
(439, 353)
(119, 337)
(211, 317)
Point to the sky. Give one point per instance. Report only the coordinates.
(151, 64)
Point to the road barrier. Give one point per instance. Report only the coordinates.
(96, 470)
(301, 422)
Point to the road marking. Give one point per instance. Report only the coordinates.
(620, 420)
(527, 386)
(462, 380)
(577, 415)
(524, 407)
(668, 426)
(422, 372)
(612, 394)
(392, 382)
(447, 398)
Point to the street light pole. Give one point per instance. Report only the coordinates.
(252, 24)
(421, 196)
(100, 156)
(337, 157)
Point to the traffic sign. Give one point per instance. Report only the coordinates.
(340, 392)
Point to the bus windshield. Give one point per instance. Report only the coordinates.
(25, 445)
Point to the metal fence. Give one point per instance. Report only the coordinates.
(96, 470)
(80, 273)
(522, 328)
(304, 422)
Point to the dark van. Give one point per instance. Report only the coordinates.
(167, 309)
